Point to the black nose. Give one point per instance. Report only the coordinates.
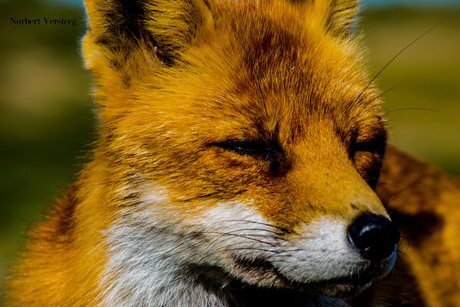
(374, 235)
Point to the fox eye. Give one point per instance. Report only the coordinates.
(366, 156)
(248, 148)
(371, 146)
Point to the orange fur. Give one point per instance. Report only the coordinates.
(259, 110)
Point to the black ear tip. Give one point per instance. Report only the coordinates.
(169, 25)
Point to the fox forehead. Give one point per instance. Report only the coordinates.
(275, 73)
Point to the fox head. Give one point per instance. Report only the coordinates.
(242, 141)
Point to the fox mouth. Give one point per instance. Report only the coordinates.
(343, 287)
(258, 269)
(263, 273)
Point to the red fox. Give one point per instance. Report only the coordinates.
(241, 161)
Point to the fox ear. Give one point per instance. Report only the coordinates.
(342, 16)
(338, 17)
(121, 29)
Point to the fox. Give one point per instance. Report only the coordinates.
(241, 160)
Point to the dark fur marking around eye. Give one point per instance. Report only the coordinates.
(250, 147)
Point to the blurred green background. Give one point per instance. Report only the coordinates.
(47, 122)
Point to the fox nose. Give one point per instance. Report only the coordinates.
(375, 236)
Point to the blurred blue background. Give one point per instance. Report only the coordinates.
(47, 122)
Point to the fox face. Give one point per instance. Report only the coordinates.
(241, 142)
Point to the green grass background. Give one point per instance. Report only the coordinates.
(47, 123)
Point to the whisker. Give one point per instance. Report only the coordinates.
(400, 192)
(283, 230)
(248, 249)
(412, 109)
(249, 237)
(395, 57)
(385, 92)
(182, 244)
(269, 232)
(233, 233)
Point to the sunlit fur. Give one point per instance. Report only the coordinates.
(238, 140)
